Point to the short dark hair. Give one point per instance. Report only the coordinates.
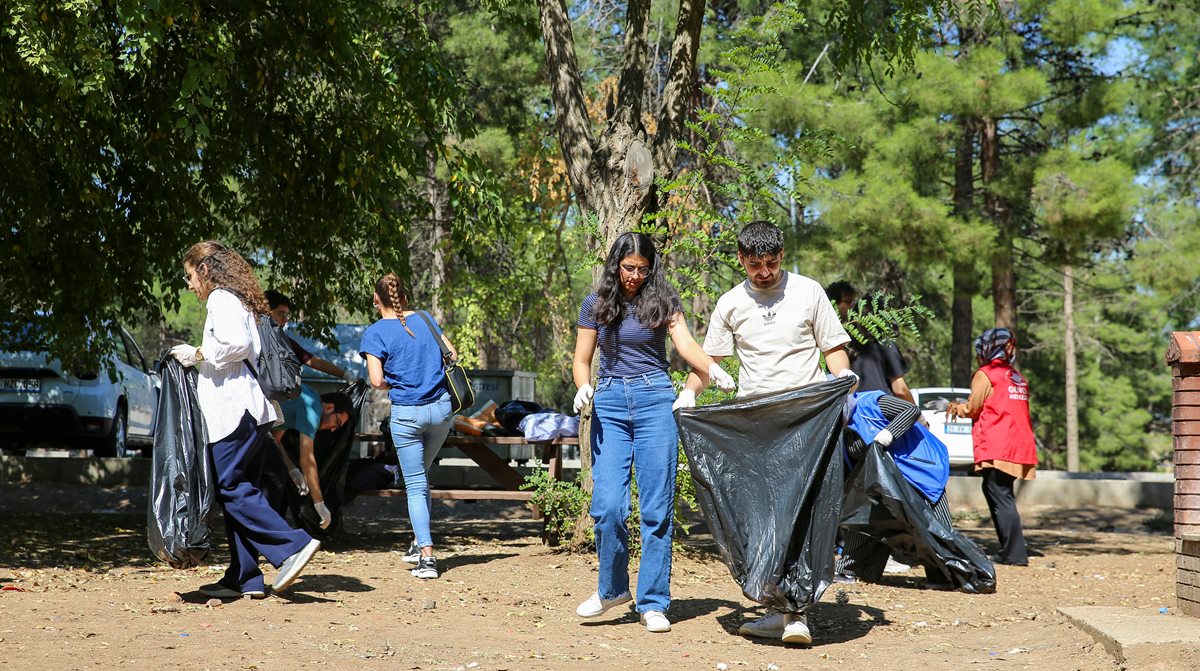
(760, 238)
(839, 290)
(341, 402)
(275, 299)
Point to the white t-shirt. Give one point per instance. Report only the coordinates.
(225, 387)
(778, 334)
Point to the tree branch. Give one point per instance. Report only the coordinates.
(632, 88)
(571, 120)
(681, 76)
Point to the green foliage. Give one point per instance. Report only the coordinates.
(131, 130)
(875, 319)
(562, 502)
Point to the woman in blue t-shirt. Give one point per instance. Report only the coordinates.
(404, 358)
(628, 317)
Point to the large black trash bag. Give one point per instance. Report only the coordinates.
(182, 486)
(768, 475)
(332, 451)
(881, 504)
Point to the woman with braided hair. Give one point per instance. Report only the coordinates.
(237, 416)
(404, 358)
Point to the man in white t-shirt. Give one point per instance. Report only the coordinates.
(779, 324)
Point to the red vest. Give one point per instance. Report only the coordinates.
(1003, 430)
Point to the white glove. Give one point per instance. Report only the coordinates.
(687, 399)
(719, 377)
(846, 372)
(349, 377)
(583, 397)
(323, 511)
(884, 437)
(185, 354)
(299, 481)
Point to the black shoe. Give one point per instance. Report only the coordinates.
(426, 568)
(996, 559)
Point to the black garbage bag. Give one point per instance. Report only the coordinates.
(182, 485)
(332, 451)
(768, 475)
(881, 504)
(510, 413)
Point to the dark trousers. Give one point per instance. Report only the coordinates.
(866, 558)
(254, 529)
(1002, 504)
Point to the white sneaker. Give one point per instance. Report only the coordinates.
(656, 621)
(796, 630)
(894, 566)
(595, 606)
(769, 626)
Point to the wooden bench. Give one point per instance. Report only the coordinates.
(478, 449)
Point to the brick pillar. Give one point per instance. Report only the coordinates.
(1183, 356)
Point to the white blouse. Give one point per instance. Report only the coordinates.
(225, 386)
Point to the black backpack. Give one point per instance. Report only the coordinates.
(278, 368)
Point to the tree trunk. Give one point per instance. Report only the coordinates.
(438, 206)
(1072, 399)
(1004, 287)
(966, 283)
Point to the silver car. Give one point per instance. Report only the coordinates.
(113, 416)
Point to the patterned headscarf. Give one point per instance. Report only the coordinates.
(991, 345)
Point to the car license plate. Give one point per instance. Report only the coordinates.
(20, 385)
(957, 428)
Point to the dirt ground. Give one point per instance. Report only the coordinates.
(80, 590)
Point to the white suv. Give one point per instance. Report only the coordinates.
(41, 402)
(956, 435)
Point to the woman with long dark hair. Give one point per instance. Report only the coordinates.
(628, 317)
(237, 416)
(403, 358)
(1005, 448)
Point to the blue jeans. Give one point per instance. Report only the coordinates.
(418, 432)
(633, 427)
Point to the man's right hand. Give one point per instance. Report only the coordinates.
(299, 481)
(583, 397)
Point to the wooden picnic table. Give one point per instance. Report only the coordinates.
(479, 450)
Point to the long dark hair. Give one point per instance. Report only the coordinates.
(656, 300)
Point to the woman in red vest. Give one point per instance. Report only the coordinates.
(1005, 449)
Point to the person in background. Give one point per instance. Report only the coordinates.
(236, 415)
(876, 417)
(1005, 448)
(281, 311)
(404, 358)
(878, 366)
(629, 316)
(307, 414)
(779, 324)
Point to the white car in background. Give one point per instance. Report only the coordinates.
(112, 416)
(956, 435)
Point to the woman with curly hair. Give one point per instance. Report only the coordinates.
(237, 416)
(628, 317)
(403, 358)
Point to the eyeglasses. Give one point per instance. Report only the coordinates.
(641, 271)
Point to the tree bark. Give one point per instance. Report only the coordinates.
(1072, 399)
(966, 282)
(632, 87)
(566, 89)
(677, 96)
(1004, 284)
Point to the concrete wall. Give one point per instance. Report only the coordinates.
(1067, 490)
